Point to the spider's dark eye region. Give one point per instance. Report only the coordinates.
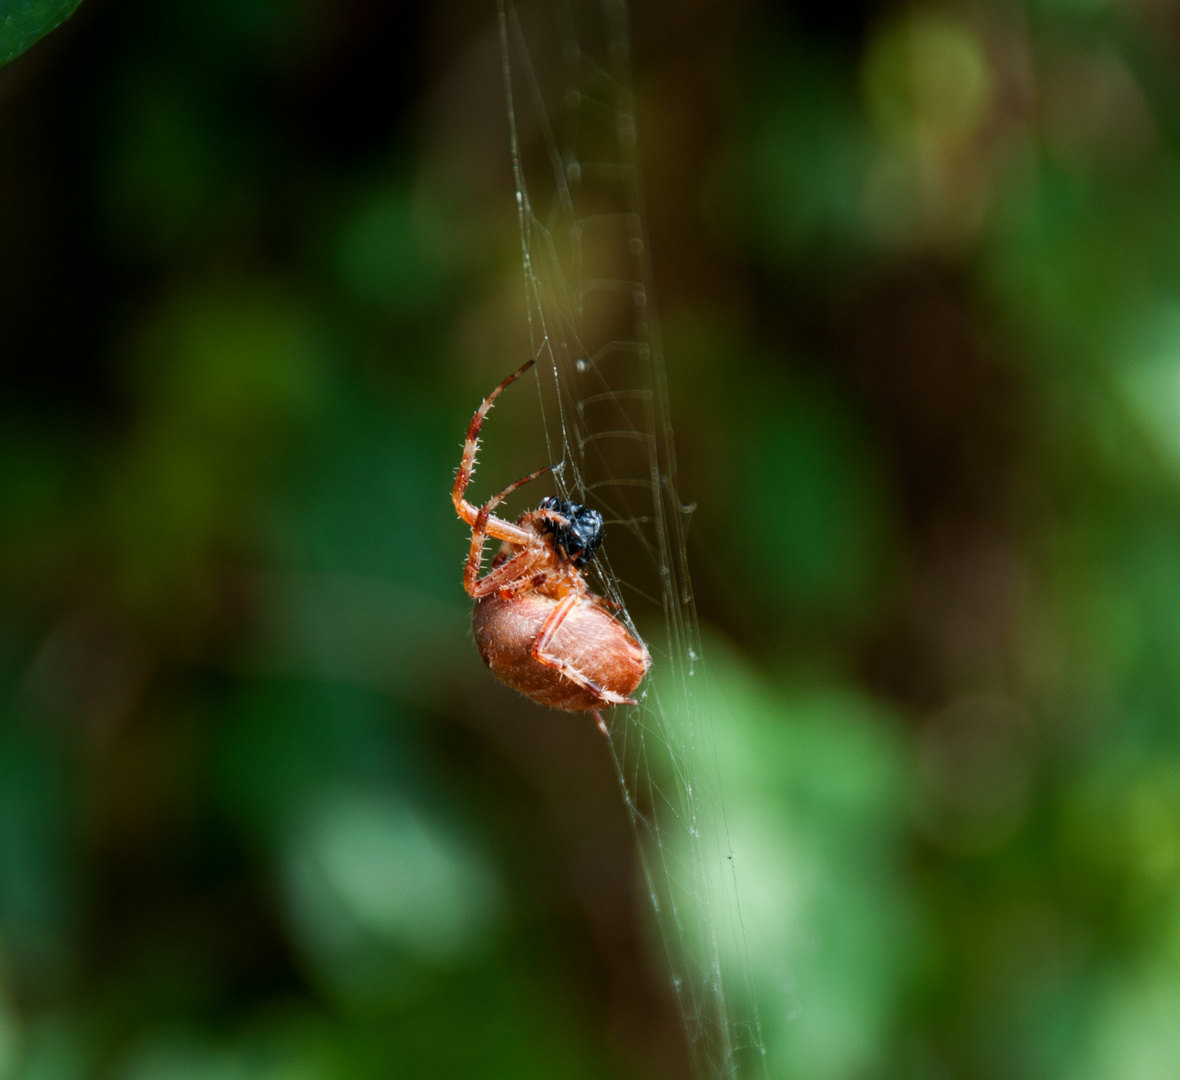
(581, 538)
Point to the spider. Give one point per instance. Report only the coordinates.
(538, 626)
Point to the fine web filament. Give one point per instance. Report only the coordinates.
(604, 407)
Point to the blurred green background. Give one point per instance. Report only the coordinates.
(262, 812)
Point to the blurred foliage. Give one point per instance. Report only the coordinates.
(24, 22)
(262, 812)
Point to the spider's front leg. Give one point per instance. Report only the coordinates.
(500, 529)
(471, 443)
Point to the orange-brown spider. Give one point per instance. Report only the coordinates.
(538, 626)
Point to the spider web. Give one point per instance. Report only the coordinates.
(603, 396)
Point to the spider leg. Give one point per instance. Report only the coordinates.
(602, 724)
(514, 575)
(495, 500)
(543, 515)
(548, 630)
(480, 530)
(494, 526)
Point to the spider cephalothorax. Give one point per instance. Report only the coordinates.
(580, 536)
(537, 625)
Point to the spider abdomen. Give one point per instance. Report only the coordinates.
(589, 639)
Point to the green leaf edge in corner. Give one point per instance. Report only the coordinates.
(25, 22)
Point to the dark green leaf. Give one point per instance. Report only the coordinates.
(24, 22)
